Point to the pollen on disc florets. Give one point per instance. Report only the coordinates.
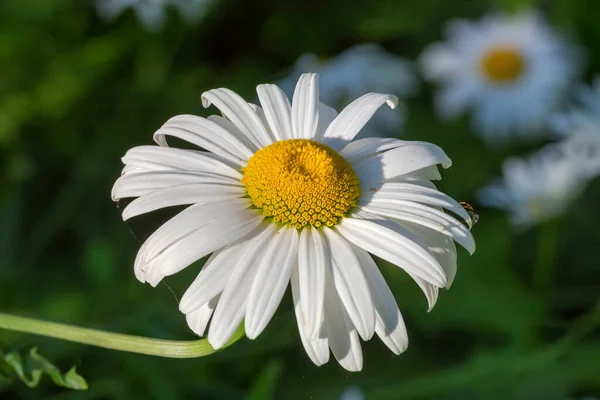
(300, 182)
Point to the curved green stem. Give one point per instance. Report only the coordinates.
(114, 341)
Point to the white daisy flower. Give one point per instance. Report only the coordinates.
(535, 189)
(580, 128)
(360, 69)
(512, 71)
(281, 193)
(151, 13)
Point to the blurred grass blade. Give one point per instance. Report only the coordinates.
(265, 384)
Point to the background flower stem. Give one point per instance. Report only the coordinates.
(545, 257)
(114, 341)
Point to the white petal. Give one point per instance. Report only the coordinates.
(198, 319)
(136, 184)
(383, 300)
(180, 226)
(272, 278)
(442, 247)
(232, 305)
(318, 348)
(261, 114)
(397, 340)
(408, 191)
(305, 106)
(216, 272)
(446, 255)
(314, 260)
(400, 161)
(352, 119)
(132, 169)
(191, 193)
(439, 61)
(156, 158)
(240, 113)
(430, 291)
(277, 110)
(430, 217)
(389, 324)
(220, 231)
(351, 285)
(428, 174)
(389, 244)
(342, 335)
(234, 130)
(358, 150)
(326, 116)
(186, 222)
(203, 133)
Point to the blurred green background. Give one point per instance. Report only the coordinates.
(76, 92)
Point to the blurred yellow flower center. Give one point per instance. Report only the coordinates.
(299, 182)
(503, 64)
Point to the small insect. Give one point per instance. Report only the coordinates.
(471, 211)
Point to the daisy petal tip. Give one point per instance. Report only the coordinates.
(310, 75)
(392, 101)
(367, 332)
(140, 277)
(215, 342)
(353, 367)
(320, 358)
(251, 335)
(154, 282)
(252, 329)
(399, 349)
(443, 282)
(320, 362)
(185, 305)
(205, 102)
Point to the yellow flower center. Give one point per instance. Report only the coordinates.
(299, 182)
(503, 64)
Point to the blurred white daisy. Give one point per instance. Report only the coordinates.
(352, 393)
(579, 128)
(512, 71)
(536, 189)
(151, 13)
(360, 69)
(281, 192)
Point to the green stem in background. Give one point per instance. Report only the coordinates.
(114, 341)
(545, 257)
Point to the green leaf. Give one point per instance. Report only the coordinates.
(34, 366)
